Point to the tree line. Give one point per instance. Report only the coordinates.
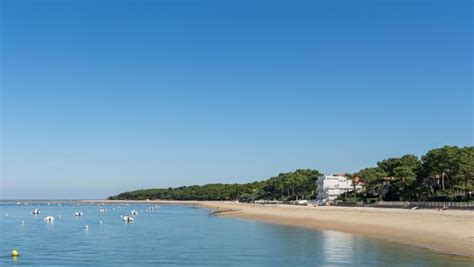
(442, 174)
(286, 186)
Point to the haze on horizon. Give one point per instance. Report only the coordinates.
(100, 97)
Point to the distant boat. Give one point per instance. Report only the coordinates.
(78, 213)
(36, 212)
(134, 212)
(49, 219)
(101, 210)
(127, 218)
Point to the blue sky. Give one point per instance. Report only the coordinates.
(100, 97)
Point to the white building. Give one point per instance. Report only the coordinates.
(331, 186)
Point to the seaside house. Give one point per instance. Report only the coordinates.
(329, 187)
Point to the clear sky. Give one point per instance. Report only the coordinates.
(100, 97)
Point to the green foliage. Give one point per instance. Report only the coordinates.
(389, 166)
(286, 186)
(299, 184)
(445, 173)
(448, 170)
(373, 179)
(195, 192)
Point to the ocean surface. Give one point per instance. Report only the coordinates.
(180, 235)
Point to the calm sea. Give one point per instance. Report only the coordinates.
(180, 235)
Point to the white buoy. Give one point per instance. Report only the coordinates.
(87, 227)
(100, 222)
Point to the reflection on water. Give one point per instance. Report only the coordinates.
(337, 247)
(177, 235)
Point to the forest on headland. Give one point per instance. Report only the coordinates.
(442, 174)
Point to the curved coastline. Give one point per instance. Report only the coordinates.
(450, 231)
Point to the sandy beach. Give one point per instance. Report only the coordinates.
(449, 231)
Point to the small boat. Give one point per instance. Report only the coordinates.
(127, 218)
(49, 219)
(101, 210)
(36, 212)
(78, 213)
(134, 212)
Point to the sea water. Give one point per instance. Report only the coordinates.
(183, 235)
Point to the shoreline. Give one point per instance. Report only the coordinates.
(449, 231)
